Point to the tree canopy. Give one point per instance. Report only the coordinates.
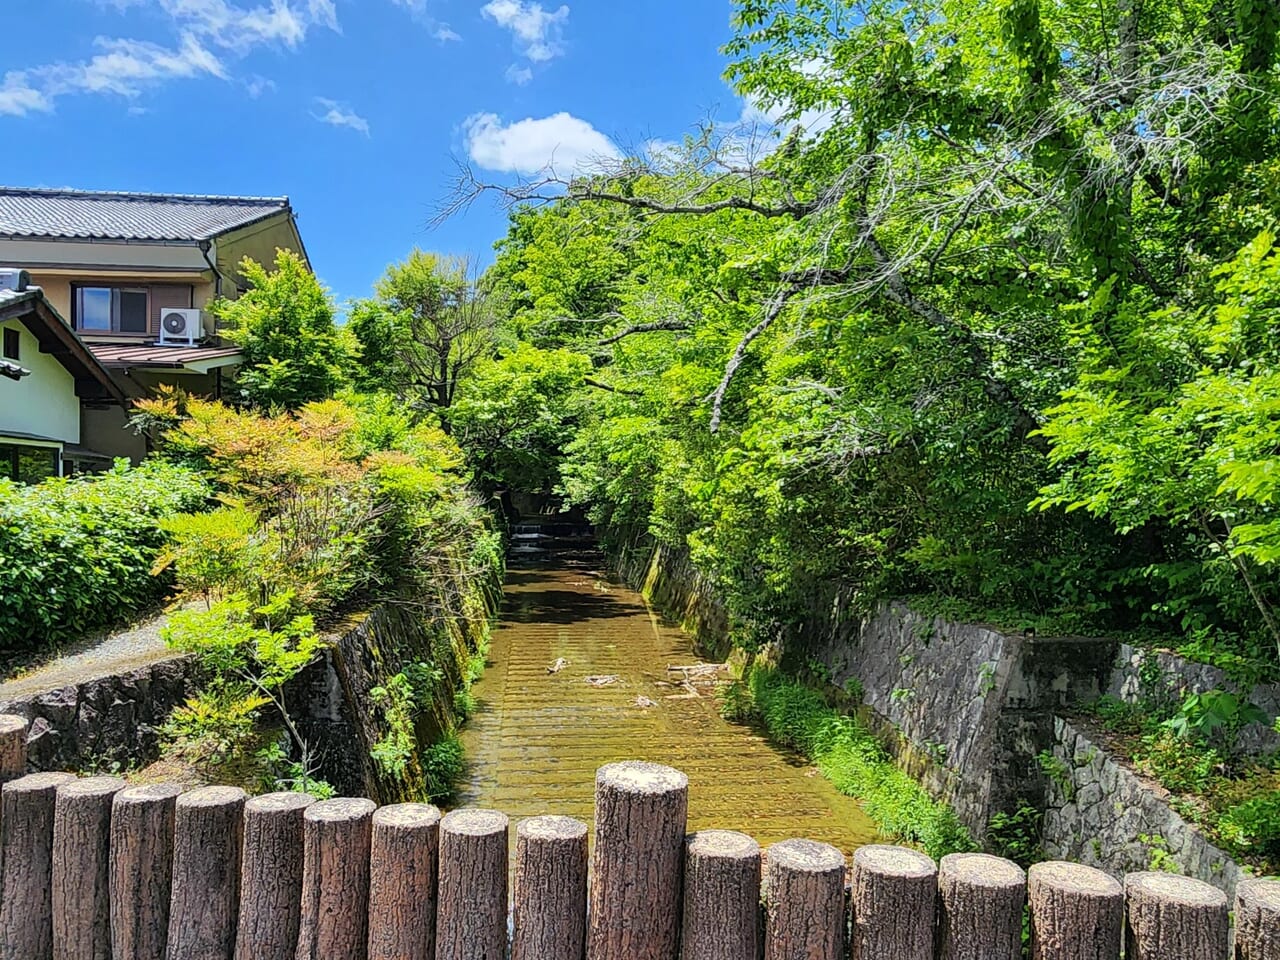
(991, 318)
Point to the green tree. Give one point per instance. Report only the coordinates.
(284, 323)
(515, 413)
(426, 328)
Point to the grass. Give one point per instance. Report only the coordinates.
(848, 755)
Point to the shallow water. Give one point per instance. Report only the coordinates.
(537, 738)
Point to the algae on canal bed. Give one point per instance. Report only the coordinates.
(537, 738)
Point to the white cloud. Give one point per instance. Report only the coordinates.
(558, 142)
(538, 32)
(339, 115)
(257, 85)
(206, 33)
(126, 67)
(18, 97)
(519, 75)
(445, 34)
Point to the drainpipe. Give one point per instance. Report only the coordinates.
(205, 247)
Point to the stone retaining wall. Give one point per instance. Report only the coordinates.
(1101, 814)
(105, 721)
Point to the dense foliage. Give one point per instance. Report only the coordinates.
(993, 319)
(76, 554)
(341, 501)
(284, 324)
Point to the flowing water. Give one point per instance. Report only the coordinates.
(537, 737)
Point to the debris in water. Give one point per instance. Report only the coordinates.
(644, 702)
(698, 671)
(559, 665)
(603, 680)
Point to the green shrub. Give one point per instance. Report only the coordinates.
(443, 765)
(77, 554)
(1181, 765)
(856, 763)
(1016, 835)
(1253, 827)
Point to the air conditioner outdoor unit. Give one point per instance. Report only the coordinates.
(180, 327)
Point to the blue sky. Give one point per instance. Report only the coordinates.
(356, 109)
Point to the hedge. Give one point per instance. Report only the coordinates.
(76, 554)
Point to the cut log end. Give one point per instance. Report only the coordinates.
(91, 787)
(805, 856)
(278, 803)
(641, 777)
(1174, 889)
(208, 797)
(148, 793)
(407, 816)
(471, 822)
(1074, 879)
(11, 724)
(982, 870)
(551, 828)
(38, 783)
(893, 861)
(340, 810)
(722, 845)
(1260, 893)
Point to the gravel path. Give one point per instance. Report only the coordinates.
(116, 652)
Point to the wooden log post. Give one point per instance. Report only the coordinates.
(641, 814)
(82, 868)
(1077, 912)
(981, 900)
(721, 897)
(271, 876)
(471, 922)
(26, 865)
(804, 901)
(13, 747)
(1174, 918)
(895, 893)
(1257, 917)
(549, 918)
(141, 870)
(208, 833)
(403, 873)
(334, 924)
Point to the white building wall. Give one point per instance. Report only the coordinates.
(45, 403)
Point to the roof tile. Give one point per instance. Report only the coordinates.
(77, 214)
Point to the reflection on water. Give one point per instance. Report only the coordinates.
(538, 737)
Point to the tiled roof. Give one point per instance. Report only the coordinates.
(77, 214)
(121, 356)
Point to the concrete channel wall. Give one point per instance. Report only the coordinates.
(968, 709)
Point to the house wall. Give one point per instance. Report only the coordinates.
(45, 403)
(105, 430)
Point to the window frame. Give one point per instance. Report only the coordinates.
(11, 336)
(116, 289)
(9, 454)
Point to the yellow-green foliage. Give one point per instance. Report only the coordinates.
(851, 758)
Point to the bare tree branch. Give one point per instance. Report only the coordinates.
(646, 328)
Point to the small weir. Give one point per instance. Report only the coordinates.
(542, 729)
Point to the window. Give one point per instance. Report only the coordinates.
(11, 347)
(111, 309)
(28, 464)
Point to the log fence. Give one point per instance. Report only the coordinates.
(93, 870)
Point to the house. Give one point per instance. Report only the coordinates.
(129, 273)
(48, 379)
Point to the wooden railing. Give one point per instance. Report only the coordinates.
(94, 869)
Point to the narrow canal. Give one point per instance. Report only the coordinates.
(537, 737)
